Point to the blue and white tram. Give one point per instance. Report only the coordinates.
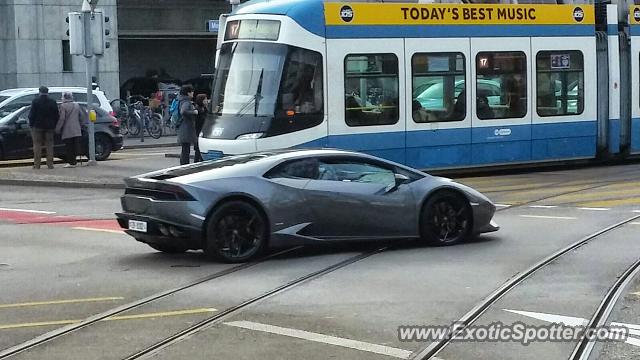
(427, 85)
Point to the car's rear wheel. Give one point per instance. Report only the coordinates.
(103, 147)
(446, 219)
(236, 232)
(166, 248)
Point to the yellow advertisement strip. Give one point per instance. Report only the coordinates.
(448, 14)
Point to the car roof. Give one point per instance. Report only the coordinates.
(19, 91)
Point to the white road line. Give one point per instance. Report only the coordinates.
(99, 230)
(593, 209)
(332, 340)
(549, 217)
(635, 223)
(501, 205)
(28, 211)
(543, 206)
(636, 211)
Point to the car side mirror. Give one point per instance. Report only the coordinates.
(401, 179)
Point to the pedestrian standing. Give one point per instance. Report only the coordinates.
(43, 118)
(187, 128)
(201, 106)
(72, 119)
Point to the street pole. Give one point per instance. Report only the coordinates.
(88, 55)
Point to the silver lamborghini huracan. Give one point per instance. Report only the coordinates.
(235, 207)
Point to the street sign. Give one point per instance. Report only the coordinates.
(213, 26)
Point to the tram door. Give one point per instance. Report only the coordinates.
(364, 103)
(501, 100)
(438, 96)
(635, 87)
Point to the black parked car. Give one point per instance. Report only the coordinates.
(16, 143)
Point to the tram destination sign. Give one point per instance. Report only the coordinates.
(450, 14)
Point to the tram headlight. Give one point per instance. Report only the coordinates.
(250, 136)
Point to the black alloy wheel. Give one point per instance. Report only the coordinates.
(103, 147)
(236, 232)
(446, 219)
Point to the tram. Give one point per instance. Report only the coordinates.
(432, 86)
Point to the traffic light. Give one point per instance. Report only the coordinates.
(75, 33)
(99, 31)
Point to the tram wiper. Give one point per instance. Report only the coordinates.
(255, 99)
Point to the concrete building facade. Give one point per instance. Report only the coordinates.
(160, 35)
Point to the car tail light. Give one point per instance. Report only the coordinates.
(114, 121)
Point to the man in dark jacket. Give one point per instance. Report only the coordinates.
(43, 118)
(187, 129)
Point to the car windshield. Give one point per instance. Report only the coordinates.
(3, 98)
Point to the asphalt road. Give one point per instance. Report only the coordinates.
(63, 259)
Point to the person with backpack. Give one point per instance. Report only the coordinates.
(185, 121)
(43, 118)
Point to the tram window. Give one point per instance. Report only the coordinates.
(300, 102)
(371, 89)
(438, 87)
(560, 83)
(501, 85)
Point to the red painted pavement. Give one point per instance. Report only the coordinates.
(21, 217)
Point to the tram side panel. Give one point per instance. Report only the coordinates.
(501, 121)
(614, 126)
(365, 111)
(438, 78)
(635, 84)
(564, 104)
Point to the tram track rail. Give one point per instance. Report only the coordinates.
(430, 351)
(66, 330)
(585, 346)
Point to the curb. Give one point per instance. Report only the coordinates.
(61, 184)
(148, 146)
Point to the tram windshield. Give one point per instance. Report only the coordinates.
(276, 85)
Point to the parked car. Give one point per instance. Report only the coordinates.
(146, 86)
(14, 99)
(201, 84)
(16, 142)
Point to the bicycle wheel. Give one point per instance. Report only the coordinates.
(121, 112)
(134, 125)
(154, 126)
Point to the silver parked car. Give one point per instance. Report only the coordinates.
(235, 207)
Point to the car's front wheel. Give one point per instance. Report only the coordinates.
(236, 232)
(446, 219)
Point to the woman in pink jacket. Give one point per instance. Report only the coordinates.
(72, 118)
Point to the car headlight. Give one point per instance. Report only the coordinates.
(250, 136)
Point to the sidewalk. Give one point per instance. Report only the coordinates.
(106, 175)
(149, 142)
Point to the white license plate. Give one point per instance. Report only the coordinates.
(138, 225)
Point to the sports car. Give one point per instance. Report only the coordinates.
(236, 207)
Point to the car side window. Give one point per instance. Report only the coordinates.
(301, 169)
(355, 171)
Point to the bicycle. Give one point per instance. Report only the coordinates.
(132, 115)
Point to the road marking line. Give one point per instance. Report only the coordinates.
(635, 223)
(501, 205)
(113, 318)
(56, 302)
(548, 217)
(28, 211)
(636, 293)
(593, 209)
(99, 230)
(543, 206)
(321, 338)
